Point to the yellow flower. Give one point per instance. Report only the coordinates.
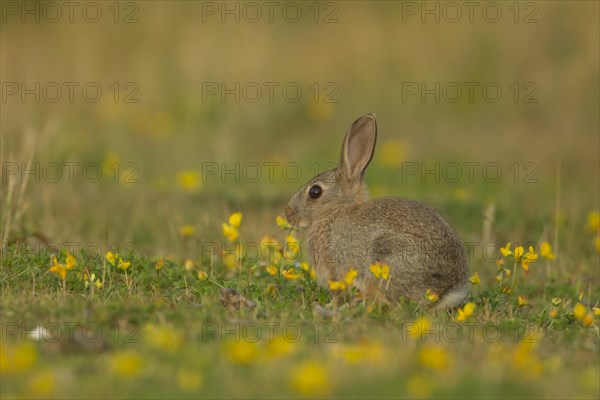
(431, 295)
(163, 337)
(159, 264)
(419, 328)
(60, 270)
(506, 250)
(188, 180)
(508, 272)
(528, 258)
(187, 231)
(553, 313)
(337, 285)
(202, 275)
(21, 358)
(93, 280)
(392, 153)
(292, 244)
(310, 378)
(596, 310)
(232, 257)
(70, 261)
(291, 274)
(419, 386)
(188, 265)
(588, 319)
(42, 384)
(522, 300)
(350, 276)
(380, 270)
(282, 222)
(241, 352)
(593, 221)
(474, 279)
(111, 257)
(434, 357)
(519, 251)
(465, 312)
(235, 219)
(385, 271)
(579, 311)
(272, 270)
(375, 270)
(230, 232)
(127, 364)
(188, 380)
(123, 264)
(500, 263)
(556, 301)
(546, 251)
(280, 347)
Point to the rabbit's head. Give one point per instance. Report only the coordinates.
(341, 187)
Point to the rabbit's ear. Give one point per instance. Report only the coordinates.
(358, 147)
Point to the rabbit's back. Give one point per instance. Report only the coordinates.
(421, 248)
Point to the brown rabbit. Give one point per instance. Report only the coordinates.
(345, 229)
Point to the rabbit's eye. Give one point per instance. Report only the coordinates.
(315, 192)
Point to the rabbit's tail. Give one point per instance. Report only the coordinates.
(454, 297)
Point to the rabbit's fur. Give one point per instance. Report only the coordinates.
(345, 229)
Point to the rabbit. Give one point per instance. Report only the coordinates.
(344, 229)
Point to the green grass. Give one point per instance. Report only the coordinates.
(169, 334)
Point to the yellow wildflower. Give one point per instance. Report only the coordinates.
(596, 310)
(241, 352)
(579, 311)
(546, 251)
(588, 319)
(123, 264)
(163, 337)
(419, 328)
(127, 364)
(519, 251)
(188, 180)
(337, 285)
(229, 232)
(350, 276)
(272, 270)
(553, 313)
(235, 219)
(42, 384)
(528, 258)
(434, 357)
(431, 295)
(310, 378)
(111, 257)
(282, 222)
(188, 380)
(465, 312)
(60, 270)
(474, 279)
(385, 271)
(291, 274)
(556, 301)
(202, 275)
(506, 250)
(187, 231)
(70, 261)
(593, 221)
(159, 264)
(188, 265)
(522, 300)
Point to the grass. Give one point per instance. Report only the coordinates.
(175, 332)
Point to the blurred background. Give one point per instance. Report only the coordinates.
(162, 99)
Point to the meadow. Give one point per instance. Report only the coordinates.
(148, 150)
